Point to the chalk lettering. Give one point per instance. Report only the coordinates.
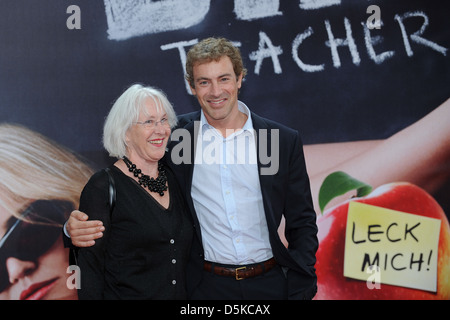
(417, 36)
(295, 46)
(256, 9)
(371, 41)
(182, 51)
(349, 41)
(318, 4)
(127, 19)
(266, 50)
(132, 18)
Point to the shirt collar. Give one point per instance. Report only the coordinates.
(248, 125)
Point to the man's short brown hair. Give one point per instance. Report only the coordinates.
(213, 49)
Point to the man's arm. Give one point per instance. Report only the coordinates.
(83, 232)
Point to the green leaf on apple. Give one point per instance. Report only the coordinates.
(339, 183)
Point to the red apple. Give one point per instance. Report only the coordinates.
(403, 197)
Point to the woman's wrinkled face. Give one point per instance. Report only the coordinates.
(148, 137)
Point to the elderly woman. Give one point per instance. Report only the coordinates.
(145, 247)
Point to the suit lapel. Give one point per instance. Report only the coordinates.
(266, 181)
(192, 128)
(189, 168)
(261, 128)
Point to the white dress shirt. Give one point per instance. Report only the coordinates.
(227, 195)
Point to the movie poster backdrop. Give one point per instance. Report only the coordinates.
(365, 83)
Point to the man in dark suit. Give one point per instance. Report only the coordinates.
(237, 193)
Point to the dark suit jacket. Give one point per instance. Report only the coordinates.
(287, 192)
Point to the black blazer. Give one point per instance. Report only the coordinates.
(287, 192)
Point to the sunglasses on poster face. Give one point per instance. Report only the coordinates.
(33, 234)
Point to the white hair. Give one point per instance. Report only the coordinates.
(126, 110)
(36, 167)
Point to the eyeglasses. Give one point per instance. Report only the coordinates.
(149, 124)
(33, 234)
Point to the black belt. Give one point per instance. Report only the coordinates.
(242, 272)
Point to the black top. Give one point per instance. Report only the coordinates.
(145, 247)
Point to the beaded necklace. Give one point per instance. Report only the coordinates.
(158, 185)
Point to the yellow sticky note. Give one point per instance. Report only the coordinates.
(391, 247)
